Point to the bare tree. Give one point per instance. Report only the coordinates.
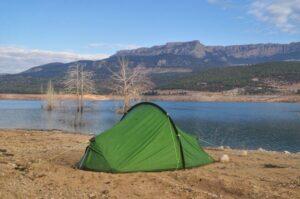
(129, 83)
(50, 97)
(71, 82)
(42, 89)
(80, 82)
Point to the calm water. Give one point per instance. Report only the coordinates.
(272, 126)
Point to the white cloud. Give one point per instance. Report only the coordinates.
(283, 14)
(16, 59)
(106, 46)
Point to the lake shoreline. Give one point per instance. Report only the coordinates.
(41, 164)
(212, 147)
(190, 96)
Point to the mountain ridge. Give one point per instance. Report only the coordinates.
(193, 55)
(199, 50)
(178, 57)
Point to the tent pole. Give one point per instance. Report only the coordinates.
(178, 139)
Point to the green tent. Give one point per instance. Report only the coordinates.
(146, 139)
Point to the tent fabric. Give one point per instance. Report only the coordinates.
(146, 139)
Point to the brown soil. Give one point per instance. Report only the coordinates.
(39, 164)
(59, 97)
(221, 97)
(190, 96)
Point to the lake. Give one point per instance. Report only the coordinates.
(272, 126)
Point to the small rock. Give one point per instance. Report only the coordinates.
(221, 147)
(8, 154)
(224, 158)
(92, 195)
(12, 165)
(244, 153)
(41, 175)
(261, 149)
(227, 147)
(274, 166)
(188, 189)
(286, 152)
(3, 150)
(20, 167)
(38, 175)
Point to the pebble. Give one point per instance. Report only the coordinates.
(286, 152)
(3, 150)
(20, 167)
(244, 153)
(12, 165)
(261, 149)
(224, 158)
(92, 195)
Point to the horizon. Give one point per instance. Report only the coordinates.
(40, 32)
(95, 59)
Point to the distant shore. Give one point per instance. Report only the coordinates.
(37, 164)
(189, 96)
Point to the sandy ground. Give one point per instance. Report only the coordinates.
(220, 97)
(8, 96)
(190, 96)
(40, 164)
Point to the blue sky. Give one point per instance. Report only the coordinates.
(42, 31)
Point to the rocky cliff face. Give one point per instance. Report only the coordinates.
(195, 53)
(261, 50)
(192, 48)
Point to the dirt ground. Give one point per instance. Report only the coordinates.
(40, 164)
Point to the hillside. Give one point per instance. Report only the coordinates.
(253, 79)
(165, 63)
(265, 78)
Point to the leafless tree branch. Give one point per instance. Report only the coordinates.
(129, 83)
(80, 82)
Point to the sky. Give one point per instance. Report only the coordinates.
(35, 32)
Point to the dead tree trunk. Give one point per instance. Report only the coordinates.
(81, 82)
(50, 97)
(81, 89)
